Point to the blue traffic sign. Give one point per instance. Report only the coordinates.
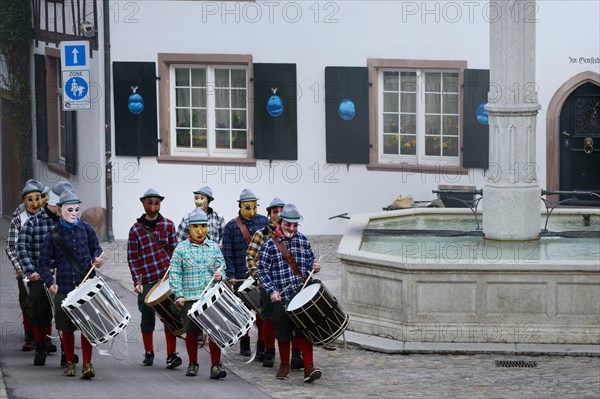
(76, 88)
(75, 56)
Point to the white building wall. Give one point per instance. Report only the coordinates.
(344, 33)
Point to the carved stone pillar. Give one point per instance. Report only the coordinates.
(511, 198)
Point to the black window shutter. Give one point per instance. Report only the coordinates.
(135, 134)
(41, 120)
(475, 134)
(275, 137)
(347, 138)
(71, 155)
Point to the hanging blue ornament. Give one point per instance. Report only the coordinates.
(482, 114)
(275, 104)
(346, 109)
(135, 103)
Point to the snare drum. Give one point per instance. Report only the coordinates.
(162, 302)
(249, 292)
(317, 314)
(222, 315)
(96, 310)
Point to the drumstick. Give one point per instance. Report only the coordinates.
(166, 274)
(307, 279)
(55, 271)
(210, 282)
(311, 273)
(91, 269)
(285, 288)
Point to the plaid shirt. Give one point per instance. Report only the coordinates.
(82, 241)
(274, 273)
(216, 223)
(235, 247)
(145, 256)
(258, 239)
(31, 240)
(192, 268)
(13, 236)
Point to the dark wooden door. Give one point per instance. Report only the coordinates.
(580, 144)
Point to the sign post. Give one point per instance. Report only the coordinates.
(75, 68)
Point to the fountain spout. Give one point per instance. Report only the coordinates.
(471, 204)
(550, 206)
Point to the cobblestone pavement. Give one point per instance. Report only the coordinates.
(353, 372)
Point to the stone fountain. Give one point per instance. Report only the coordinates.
(426, 298)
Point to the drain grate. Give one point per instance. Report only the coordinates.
(516, 363)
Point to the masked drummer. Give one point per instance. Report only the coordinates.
(152, 240)
(29, 244)
(196, 261)
(202, 199)
(280, 281)
(32, 204)
(236, 237)
(71, 248)
(258, 239)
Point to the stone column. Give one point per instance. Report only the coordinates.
(511, 197)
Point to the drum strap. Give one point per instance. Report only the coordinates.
(288, 257)
(152, 236)
(72, 260)
(244, 230)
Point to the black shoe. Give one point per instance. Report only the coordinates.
(217, 372)
(260, 352)
(173, 361)
(297, 362)
(40, 354)
(63, 359)
(192, 370)
(148, 359)
(269, 359)
(245, 346)
(50, 347)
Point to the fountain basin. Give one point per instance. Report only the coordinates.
(436, 298)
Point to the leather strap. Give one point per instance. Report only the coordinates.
(71, 258)
(288, 257)
(152, 236)
(244, 230)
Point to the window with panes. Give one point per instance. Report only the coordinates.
(418, 119)
(210, 111)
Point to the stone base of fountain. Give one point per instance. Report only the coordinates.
(435, 300)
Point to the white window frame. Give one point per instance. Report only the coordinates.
(211, 151)
(419, 158)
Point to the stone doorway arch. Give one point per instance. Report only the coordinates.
(553, 126)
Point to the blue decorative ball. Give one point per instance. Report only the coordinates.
(275, 106)
(135, 103)
(347, 110)
(482, 114)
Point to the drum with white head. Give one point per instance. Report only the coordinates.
(96, 310)
(317, 313)
(161, 300)
(222, 315)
